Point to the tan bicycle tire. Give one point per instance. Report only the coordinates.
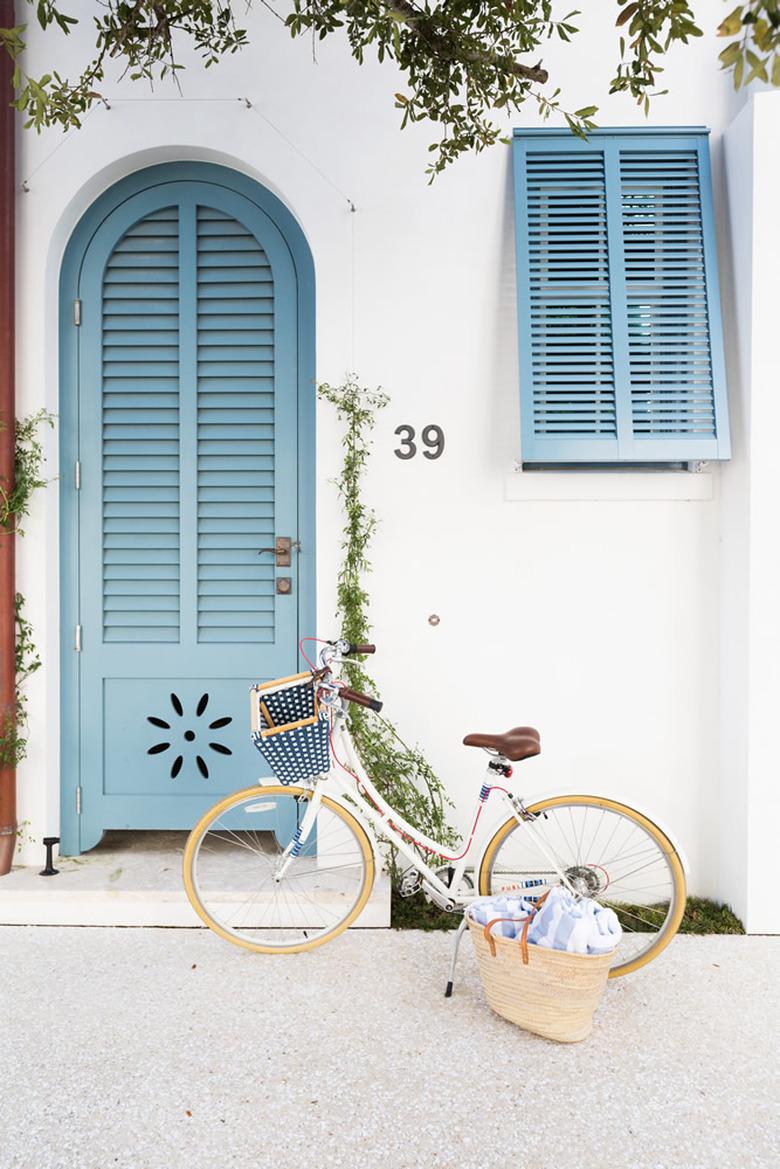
(190, 852)
(675, 864)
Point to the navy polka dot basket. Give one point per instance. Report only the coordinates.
(289, 729)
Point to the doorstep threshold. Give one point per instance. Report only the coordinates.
(130, 879)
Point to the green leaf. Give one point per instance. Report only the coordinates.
(730, 54)
(626, 14)
(732, 24)
(757, 67)
(762, 35)
(586, 112)
(739, 71)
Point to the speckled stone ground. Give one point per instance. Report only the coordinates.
(165, 1049)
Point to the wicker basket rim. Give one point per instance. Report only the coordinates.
(283, 683)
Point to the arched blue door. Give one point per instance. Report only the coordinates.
(187, 447)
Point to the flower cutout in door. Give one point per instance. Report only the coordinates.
(185, 732)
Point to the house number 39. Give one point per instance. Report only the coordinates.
(432, 439)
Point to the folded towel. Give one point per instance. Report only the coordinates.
(504, 905)
(562, 922)
(576, 925)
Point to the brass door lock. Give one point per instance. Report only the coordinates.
(284, 585)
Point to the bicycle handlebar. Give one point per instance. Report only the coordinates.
(360, 699)
(361, 649)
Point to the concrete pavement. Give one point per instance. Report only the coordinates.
(166, 1049)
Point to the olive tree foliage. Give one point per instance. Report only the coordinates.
(461, 60)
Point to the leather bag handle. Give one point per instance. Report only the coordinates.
(491, 941)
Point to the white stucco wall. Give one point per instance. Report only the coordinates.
(595, 618)
(750, 664)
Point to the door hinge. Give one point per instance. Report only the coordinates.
(77, 475)
(77, 312)
(78, 800)
(77, 642)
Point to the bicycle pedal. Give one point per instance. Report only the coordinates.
(411, 883)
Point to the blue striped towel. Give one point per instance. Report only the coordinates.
(562, 922)
(509, 905)
(578, 926)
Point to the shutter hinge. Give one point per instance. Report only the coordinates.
(77, 475)
(78, 800)
(77, 642)
(77, 312)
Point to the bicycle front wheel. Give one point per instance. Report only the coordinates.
(607, 851)
(231, 870)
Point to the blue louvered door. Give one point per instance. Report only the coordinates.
(621, 354)
(188, 437)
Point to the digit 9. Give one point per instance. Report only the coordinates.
(433, 441)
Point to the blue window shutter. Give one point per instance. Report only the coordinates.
(621, 350)
(140, 433)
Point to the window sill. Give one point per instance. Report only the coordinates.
(608, 486)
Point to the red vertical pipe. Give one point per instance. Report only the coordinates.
(7, 422)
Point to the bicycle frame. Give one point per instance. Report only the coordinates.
(384, 821)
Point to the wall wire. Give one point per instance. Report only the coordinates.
(106, 104)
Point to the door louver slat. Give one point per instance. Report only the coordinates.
(235, 467)
(140, 433)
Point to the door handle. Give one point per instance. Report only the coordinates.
(282, 550)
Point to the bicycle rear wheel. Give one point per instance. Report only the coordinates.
(229, 870)
(607, 851)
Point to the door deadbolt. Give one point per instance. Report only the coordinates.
(284, 585)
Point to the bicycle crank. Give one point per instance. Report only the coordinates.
(445, 875)
(434, 897)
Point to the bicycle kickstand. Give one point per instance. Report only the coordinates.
(458, 937)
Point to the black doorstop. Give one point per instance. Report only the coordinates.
(49, 843)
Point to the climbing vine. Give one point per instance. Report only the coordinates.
(15, 506)
(400, 771)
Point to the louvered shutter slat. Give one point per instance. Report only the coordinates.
(570, 334)
(236, 451)
(671, 382)
(620, 337)
(140, 433)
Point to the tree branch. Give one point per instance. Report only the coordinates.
(415, 20)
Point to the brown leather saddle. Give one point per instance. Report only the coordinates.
(519, 743)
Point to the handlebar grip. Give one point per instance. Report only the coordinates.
(361, 649)
(360, 699)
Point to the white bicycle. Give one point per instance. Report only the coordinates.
(283, 867)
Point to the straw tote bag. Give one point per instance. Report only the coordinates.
(549, 992)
